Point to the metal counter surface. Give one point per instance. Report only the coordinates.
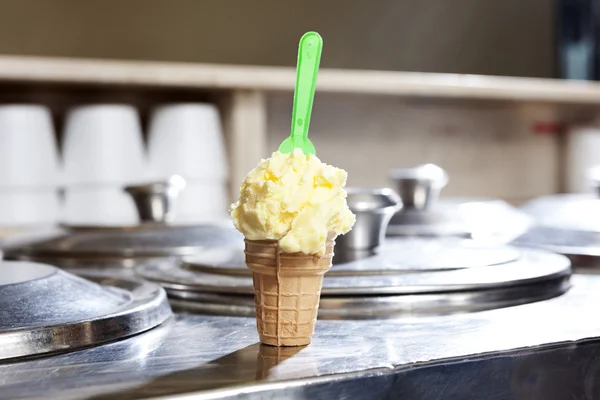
(221, 357)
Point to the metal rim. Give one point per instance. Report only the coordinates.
(230, 261)
(105, 255)
(580, 257)
(147, 309)
(549, 266)
(75, 228)
(104, 246)
(87, 262)
(426, 231)
(370, 307)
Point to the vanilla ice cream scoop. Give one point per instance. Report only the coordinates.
(294, 199)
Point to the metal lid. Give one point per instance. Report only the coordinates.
(154, 237)
(423, 213)
(114, 246)
(531, 266)
(568, 224)
(566, 211)
(395, 256)
(46, 309)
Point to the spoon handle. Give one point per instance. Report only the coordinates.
(309, 58)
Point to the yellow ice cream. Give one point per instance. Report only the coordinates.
(295, 199)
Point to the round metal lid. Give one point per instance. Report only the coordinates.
(394, 257)
(477, 218)
(568, 224)
(581, 247)
(580, 212)
(153, 237)
(385, 306)
(46, 309)
(532, 265)
(121, 244)
(424, 214)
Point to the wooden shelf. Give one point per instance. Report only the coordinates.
(244, 95)
(228, 77)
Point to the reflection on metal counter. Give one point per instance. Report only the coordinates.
(517, 351)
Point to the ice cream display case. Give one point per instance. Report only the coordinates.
(374, 276)
(383, 304)
(423, 298)
(393, 313)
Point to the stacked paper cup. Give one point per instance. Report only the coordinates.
(29, 167)
(187, 139)
(582, 156)
(103, 151)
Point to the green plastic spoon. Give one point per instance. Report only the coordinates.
(309, 57)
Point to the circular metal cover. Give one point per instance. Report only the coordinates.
(484, 219)
(531, 266)
(386, 306)
(581, 247)
(121, 244)
(47, 310)
(394, 257)
(567, 224)
(580, 212)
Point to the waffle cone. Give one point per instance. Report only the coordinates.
(287, 290)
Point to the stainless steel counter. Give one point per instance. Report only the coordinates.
(219, 357)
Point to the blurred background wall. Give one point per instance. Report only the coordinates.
(488, 148)
(496, 37)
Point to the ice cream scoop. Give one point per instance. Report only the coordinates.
(294, 199)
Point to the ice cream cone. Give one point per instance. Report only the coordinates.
(287, 289)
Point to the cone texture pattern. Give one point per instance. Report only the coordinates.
(287, 290)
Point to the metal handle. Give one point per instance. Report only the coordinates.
(154, 201)
(373, 209)
(419, 186)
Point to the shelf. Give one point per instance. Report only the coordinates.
(229, 77)
(244, 95)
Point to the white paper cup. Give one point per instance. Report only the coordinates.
(29, 207)
(103, 145)
(187, 139)
(202, 203)
(107, 206)
(28, 150)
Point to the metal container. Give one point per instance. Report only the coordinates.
(373, 209)
(425, 214)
